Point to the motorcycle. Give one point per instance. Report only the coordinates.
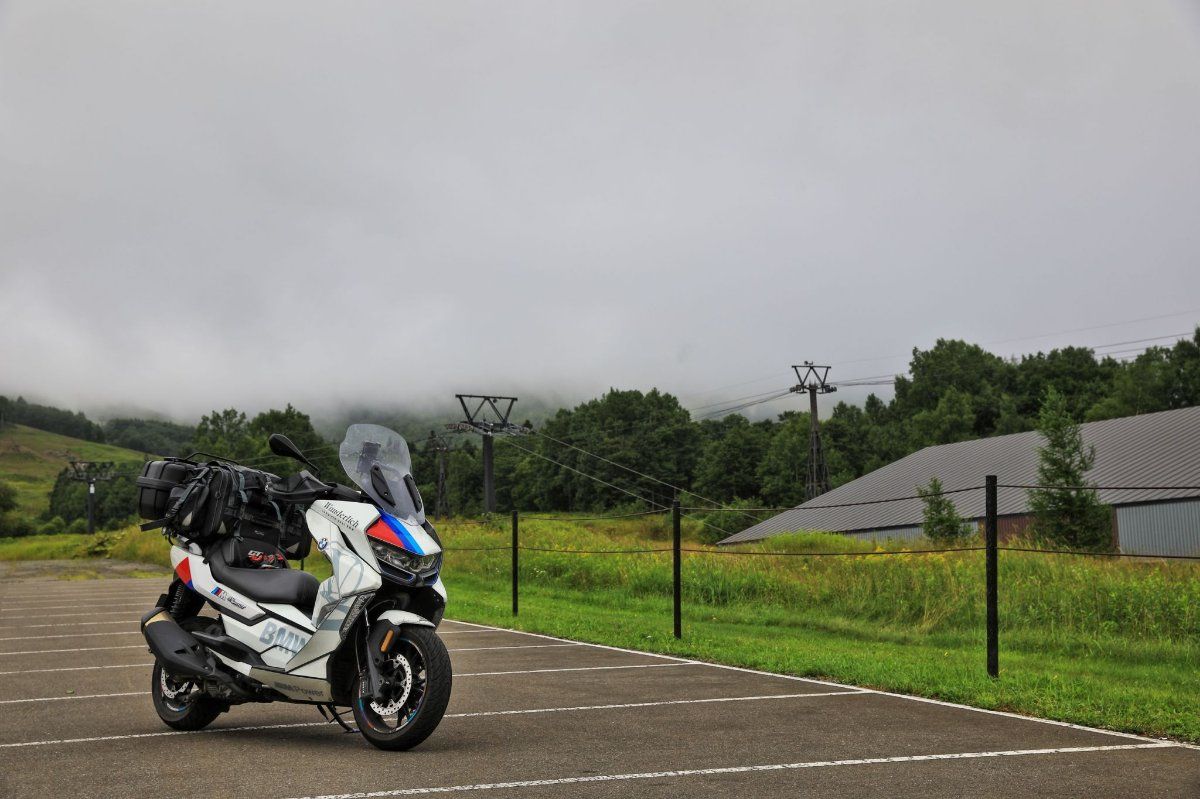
(365, 638)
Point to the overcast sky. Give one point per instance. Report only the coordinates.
(213, 204)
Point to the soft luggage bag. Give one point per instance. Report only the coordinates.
(156, 482)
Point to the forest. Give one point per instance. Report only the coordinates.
(953, 391)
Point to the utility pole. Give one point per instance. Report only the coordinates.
(813, 380)
(91, 472)
(441, 502)
(489, 418)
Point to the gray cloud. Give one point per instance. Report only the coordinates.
(218, 204)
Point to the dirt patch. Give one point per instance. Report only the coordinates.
(85, 569)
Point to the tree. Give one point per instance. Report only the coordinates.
(1074, 516)
(647, 431)
(951, 420)
(297, 427)
(225, 433)
(784, 466)
(941, 522)
(150, 436)
(728, 463)
(8, 498)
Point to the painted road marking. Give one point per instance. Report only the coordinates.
(164, 733)
(525, 712)
(477, 714)
(515, 646)
(700, 772)
(1066, 724)
(82, 649)
(68, 635)
(72, 624)
(78, 668)
(81, 696)
(85, 612)
(456, 676)
(68, 607)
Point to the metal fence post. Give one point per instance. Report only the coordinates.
(993, 610)
(515, 564)
(677, 555)
(91, 506)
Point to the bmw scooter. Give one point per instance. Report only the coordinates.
(365, 638)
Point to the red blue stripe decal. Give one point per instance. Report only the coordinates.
(184, 570)
(391, 530)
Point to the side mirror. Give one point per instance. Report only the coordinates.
(282, 446)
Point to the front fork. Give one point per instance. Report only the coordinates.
(382, 637)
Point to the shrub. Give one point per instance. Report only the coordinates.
(941, 523)
(53, 527)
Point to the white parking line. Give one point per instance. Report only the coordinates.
(578, 668)
(81, 649)
(80, 596)
(69, 635)
(71, 624)
(79, 668)
(80, 696)
(164, 734)
(84, 612)
(660, 703)
(143, 646)
(68, 607)
(1067, 724)
(86, 595)
(477, 714)
(525, 712)
(701, 772)
(479, 674)
(517, 646)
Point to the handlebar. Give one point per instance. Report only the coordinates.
(303, 487)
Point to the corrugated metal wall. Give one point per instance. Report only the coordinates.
(894, 533)
(1164, 528)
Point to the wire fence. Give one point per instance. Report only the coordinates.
(991, 547)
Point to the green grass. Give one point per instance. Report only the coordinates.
(31, 459)
(1094, 641)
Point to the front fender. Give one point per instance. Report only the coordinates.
(399, 617)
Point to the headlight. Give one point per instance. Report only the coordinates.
(400, 559)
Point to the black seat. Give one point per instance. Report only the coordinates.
(283, 586)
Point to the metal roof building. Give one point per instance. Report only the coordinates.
(1155, 449)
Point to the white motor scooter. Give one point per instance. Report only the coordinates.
(365, 638)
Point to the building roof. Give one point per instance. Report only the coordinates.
(1155, 449)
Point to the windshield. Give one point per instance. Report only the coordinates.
(377, 459)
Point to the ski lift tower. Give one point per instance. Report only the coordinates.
(487, 415)
(813, 380)
(91, 472)
(438, 444)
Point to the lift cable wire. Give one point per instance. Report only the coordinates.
(631, 470)
(591, 476)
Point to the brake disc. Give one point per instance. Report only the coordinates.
(405, 674)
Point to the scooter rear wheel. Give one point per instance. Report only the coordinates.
(171, 693)
(417, 683)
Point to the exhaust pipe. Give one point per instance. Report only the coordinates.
(179, 650)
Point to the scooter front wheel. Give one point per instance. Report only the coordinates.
(416, 689)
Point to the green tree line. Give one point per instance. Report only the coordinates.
(953, 391)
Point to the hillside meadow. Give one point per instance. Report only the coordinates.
(31, 459)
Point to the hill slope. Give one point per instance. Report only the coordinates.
(31, 459)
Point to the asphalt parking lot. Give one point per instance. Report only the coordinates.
(530, 716)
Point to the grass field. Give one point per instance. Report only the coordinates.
(1101, 642)
(31, 459)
